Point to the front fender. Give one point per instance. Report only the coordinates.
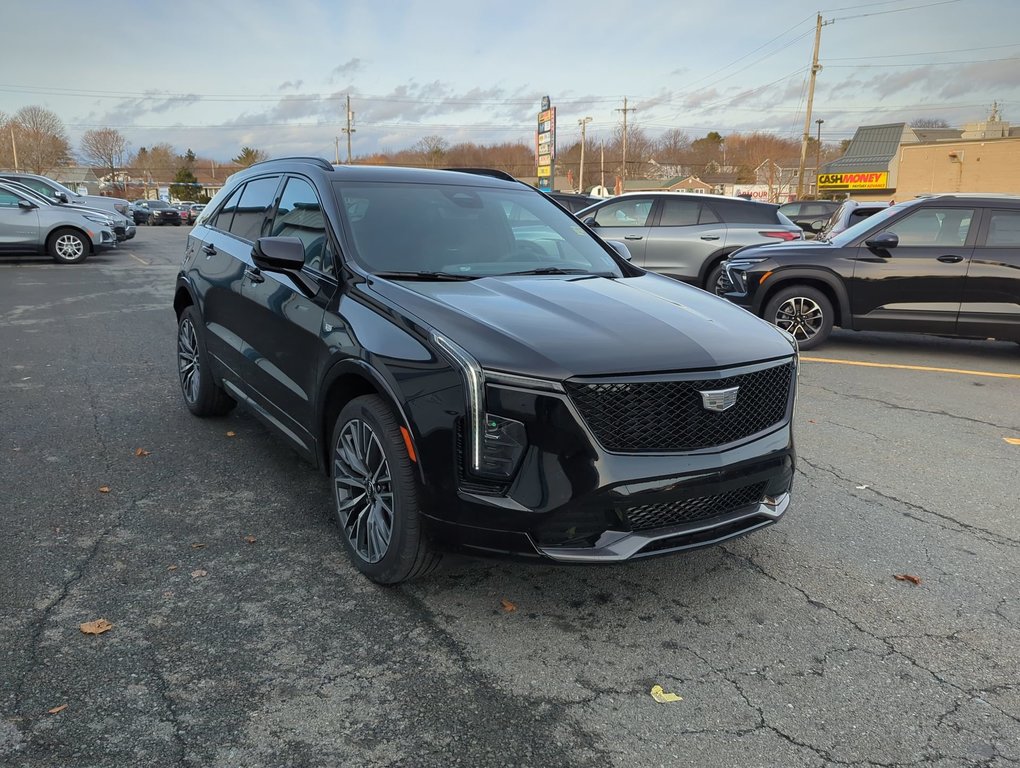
(784, 276)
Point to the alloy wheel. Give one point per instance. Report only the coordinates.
(363, 488)
(187, 360)
(69, 247)
(801, 317)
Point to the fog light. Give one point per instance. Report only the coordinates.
(503, 444)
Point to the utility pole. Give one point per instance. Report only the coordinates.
(625, 111)
(336, 151)
(350, 128)
(815, 69)
(602, 182)
(818, 152)
(14, 148)
(580, 182)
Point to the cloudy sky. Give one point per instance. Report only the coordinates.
(214, 75)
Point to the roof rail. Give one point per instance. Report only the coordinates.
(484, 172)
(319, 161)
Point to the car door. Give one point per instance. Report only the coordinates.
(625, 219)
(684, 233)
(917, 285)
(284, 314)
(19, 227)
(991, 293)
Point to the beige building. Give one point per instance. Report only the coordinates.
(966, 165)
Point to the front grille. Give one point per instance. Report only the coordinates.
(667, 416)
(649, 516)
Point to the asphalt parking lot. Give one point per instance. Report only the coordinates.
(242, 637)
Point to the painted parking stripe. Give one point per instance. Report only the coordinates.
(929, 369)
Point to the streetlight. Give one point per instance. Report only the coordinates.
(580, 182)
(818, 151)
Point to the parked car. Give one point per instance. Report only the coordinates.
(462, 387)
(687, 236)
(68, 235)
(157, 213)
(944, 264)
(184, 211)
(849, 213)
(53, 189)
(809, 215)
(123, 228)
(573, 202)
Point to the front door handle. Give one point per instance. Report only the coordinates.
(209, 249)
(710, 237)
(950, 259)
(254, 274)
(633, 237)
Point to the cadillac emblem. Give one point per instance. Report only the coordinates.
(719, 399)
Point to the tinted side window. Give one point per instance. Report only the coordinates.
(1003, 229)
(679, 213)
(629, 212)
(934, 226)
(223, 217)
(300, 215)
(737, 212)
(256, 199)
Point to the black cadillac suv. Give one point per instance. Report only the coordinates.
(475, 369)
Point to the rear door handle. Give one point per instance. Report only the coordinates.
(209, 249)
(710, 237)
(950, 259)
(254, 274)
(633, 237)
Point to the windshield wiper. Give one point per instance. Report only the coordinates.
(438, 276)
(547, 271)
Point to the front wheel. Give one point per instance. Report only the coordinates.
(68, 246)
(375, 494)
(804, 312)
(202, 395)
(712, 278)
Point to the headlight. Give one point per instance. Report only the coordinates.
(100, 220)
(155, 213)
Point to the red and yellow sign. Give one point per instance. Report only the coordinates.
(852, 180)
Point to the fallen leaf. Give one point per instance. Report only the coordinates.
(199, 573)
(1012, 440)
(97, 627)
(811, 421)
(55, 710)
(861, 487)
(662, 697)
(915, 580)
(171, 567)
(168, 594)
(508, 607)
(141, 452)
(198, 545)
(231, 433)
(104, 489)
(250, 539)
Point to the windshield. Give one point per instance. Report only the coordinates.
(467, 231)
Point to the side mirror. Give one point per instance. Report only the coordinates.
(883, 241)
(620, 248)
(590, 222)
(278, 253)
(26, 205)
(816, 226)
(62, 197)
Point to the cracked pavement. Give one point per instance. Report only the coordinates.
(791, 647)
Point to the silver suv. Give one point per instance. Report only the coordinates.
(54, 189)
(66, 234)
(687, 236)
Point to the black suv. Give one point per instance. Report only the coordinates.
(474, 368)
(941, 264)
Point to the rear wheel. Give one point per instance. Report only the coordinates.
(68, 246)
(375, 494)
(202, 395)
(804, 312)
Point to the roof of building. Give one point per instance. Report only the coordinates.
(871, 149)
(937, 134)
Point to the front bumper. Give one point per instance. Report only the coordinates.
(104, 240)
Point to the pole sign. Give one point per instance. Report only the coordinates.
(545, 146)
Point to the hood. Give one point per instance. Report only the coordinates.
(562, 326)
(801, 249)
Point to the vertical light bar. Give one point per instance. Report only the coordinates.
(474, 385)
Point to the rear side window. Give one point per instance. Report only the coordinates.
(256, 200)
(679, 213)
(1003, 229)
(300, 215)
(738, 212)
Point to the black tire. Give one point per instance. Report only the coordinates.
(803, 311)
(177, 223)
(202, 395)
(712, 278)
(68, 246)
(374, 487)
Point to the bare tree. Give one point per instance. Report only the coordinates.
(41, 139)
(929, 122)
(104, 148)
(6, 148)
(249, 156)
(431, 149)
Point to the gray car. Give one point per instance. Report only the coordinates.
(123, 228)
(687, 236)
(54, 189)
(68, 235)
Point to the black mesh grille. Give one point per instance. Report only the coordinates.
(662, 416)
(649, 516)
